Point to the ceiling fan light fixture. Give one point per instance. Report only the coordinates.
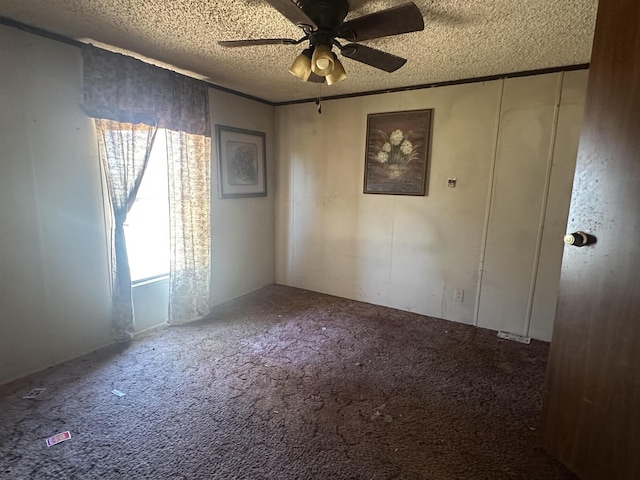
(301, 66)
(338, 74)
(323, 21)
(322, 61)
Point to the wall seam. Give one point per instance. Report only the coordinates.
(487, 216)
(543, 209)
(291, 270)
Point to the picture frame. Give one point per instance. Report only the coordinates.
(397, 152)
(242, 162)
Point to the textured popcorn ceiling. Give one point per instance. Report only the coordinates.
(462, 39)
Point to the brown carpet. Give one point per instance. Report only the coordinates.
(288, 384)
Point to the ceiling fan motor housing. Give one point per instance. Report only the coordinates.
(328, 15)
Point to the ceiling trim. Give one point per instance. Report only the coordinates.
(527, 73)
(38, 31)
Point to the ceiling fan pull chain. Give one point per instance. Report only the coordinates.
(319, 99)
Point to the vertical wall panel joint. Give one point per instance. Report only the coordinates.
(543, 207)
(485, 229)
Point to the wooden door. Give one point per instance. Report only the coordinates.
(591, 412)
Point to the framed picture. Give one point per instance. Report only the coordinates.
(242, 166)
(397, 152)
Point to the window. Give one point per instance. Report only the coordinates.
(147, 225)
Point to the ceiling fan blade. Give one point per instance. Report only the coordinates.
(392, 21)
(292, 12)
(371, 56)
(258, 41)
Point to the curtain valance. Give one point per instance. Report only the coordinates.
(124, 89)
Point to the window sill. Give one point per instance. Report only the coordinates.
(149, 281)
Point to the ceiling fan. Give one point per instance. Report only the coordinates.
(322, 21)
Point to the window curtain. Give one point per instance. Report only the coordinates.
(126, 90)
(124, 150)
(190, 226)
(117, 87)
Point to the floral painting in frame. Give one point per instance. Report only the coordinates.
(397, 152)
(242, 169)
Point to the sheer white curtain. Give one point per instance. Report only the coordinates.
(124, 89)
(124, 150)
(190, 225)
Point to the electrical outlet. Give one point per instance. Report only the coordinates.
(458, 295)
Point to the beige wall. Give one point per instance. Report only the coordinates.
(54, 281)
(533, 173)
(242, 229)
(412, 253)
(565, 152)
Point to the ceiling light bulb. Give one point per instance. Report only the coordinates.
(322, 62)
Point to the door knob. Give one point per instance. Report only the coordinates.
(579, 239)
